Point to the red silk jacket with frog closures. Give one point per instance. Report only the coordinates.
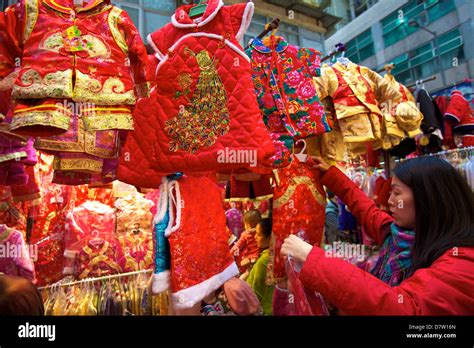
(52, 51)
(202, 102)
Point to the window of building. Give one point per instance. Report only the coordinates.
(148, 15)
(360, 6)
(430, 58)
(361, 47)
(395, 26)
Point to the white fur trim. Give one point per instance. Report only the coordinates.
(208, 35)
(158, 54)
(162, 205)
(246, 19)
(173, 226)
(204, 22)
(159, 282)
(187, 298)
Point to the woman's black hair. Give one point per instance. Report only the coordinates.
(18, 296)
(266, 227)
(444, 205)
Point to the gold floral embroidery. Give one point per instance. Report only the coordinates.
(114, 20)
(112, 92)
(31, 18)
(12, 156)
(86, 143)
(78, 164)
(95, 47)
(299, 180)
(206, 117)
(34, 86)
(52, 43)
(48, 118)
(185, 81)
(109, 121)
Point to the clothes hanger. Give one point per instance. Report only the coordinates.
(199, 9)
(269, 40)
(302, 157)
(343, 60)
(95, 238)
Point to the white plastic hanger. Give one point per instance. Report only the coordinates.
(302, 157)
(343, 60)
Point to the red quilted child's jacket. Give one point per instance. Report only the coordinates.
(202, 114)
(444, 288)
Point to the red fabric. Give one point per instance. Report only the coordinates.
(373, 220)
(243, 189)
(103, 57)
(246, 249)
(198, 240)
(459, 112)
(48, 233)
(373, 156)
(468, 140)
(379, 184)
(298, 208)
(163, 140)
(448, 140)
(345, 94)
(92, 221)
(28, 192)
(445, 288)
(384, 194)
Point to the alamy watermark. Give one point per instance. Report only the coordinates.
(18, 251)
(237, 156)
(346, 251)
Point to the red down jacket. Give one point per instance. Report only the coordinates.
(445, 288)
(202, 111)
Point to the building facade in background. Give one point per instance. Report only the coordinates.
(423, 38)
(303, 22)
(297, 26)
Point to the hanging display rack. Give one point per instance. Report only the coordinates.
(340, 47)
(95, 280)
(422, 81)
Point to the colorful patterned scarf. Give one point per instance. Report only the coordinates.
(395, 256)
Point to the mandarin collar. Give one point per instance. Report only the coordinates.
(181, 18)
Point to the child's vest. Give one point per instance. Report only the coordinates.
(202, 114)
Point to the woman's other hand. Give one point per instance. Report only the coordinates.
(321, 164)
(296, 247)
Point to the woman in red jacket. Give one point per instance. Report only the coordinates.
(429, 197)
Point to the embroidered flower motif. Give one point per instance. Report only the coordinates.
(274, 122)
(306, 89)
(267, 101)
(294, 77)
